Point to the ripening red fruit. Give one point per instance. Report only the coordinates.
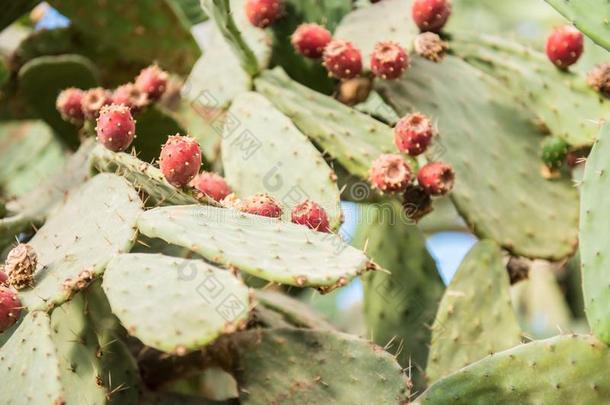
(180, 160)
(261, 204)
(413, 133)
(436, 178)
(3, 277)
(69, 105)
(93, 100)
(262, 13)
(129, 95)
(431, 15)
(212, 185)
(152, 81)
(310, 40)
(342, 59)
(10, 308)
(390, 172)
(564, 46)
(115, 127)
(310, 214)
(389, 60)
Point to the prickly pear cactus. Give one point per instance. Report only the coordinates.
(296, 202)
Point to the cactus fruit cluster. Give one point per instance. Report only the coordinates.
(172, 218)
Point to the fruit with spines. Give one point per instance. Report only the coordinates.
(413, 133)
(342, 59)
(152, 81)
(310, 40)
(599, 79)
(20, 265)
(3, 277)
(554, 151)
(431, 15)
(212, 185)
(390, 172)
(10, 308)
(310, 214)
(261, 204)
(93, 100)
(389, 60)
(436, 178)
(116, 127)
(263, 13)
(431, 46)
(69, 105)
(564, 46)
(180, 160)
(129, 95)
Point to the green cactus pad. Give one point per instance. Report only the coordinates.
(353, 138)
(141, 32)
(265, 152)
(42, 79)
(179, 304)
(562, 101)
(399, 306)
(29, 153)
(218, 77)
(264, 247)
(29, 366)
(153, 126)
(189, 10)
(223, 13)
(590, 16)
(593, 241)
(387, 20)
(293, 311)
(568, 369)
(96, 222)
(475, 317)
(315, 367)
(145, 177)
(77, 347)
(476, 116)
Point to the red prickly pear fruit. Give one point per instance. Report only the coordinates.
(212, 185)
(263, 13)
(564, 46)
(312, 215)
(413, 133)
(180, 160)
(115, 127)
(436, 178)
(69, 105)
(93, 100)
(342, 59)
(3, 277)
(261, 204)
(152, 81)
(431, 15)
(389, 60)
(310, 40)
(390, 172)
(10, 308)
(129, 95)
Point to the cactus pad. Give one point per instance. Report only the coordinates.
(314, 367)
(524, 213)
(475, 317)
(353, 138)
(96, 222)
(265, 152)
(568, 369)
(590, 16)
(593, 240)
(400, 306)
(293, 311)
(263, 247)
(29, 366)
(563, 101)
(180, 304)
